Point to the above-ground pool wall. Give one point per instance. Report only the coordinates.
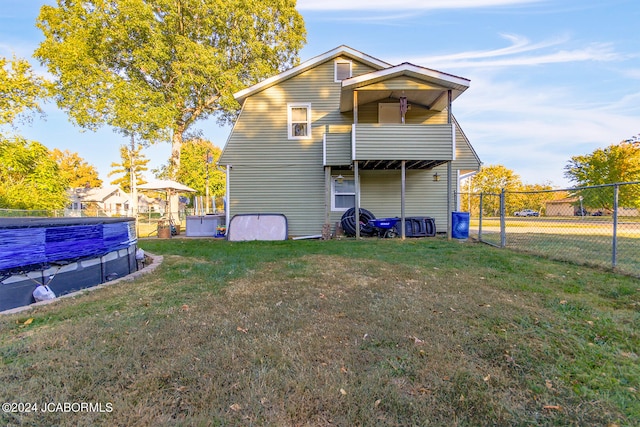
(17, 290)
(67, 254)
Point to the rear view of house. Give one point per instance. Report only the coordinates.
(343, 130)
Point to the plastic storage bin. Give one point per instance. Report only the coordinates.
(418, 227)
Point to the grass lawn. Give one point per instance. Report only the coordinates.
(374, 333)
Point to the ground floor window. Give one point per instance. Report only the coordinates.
(343, 193)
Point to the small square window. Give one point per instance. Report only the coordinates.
(299, 121)
(342, 70)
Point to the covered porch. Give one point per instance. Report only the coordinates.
(402, 121)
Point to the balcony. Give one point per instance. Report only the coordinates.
(384, 146)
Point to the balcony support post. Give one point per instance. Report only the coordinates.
(403, 174)
(356, 179)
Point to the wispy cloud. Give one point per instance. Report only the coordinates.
(633, 73)
(406, 4)
(397, 19)
(535, 130)
(522, 52)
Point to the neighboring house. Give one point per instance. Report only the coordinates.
(150, 204)
(562, 207)
(109, 201)
(345, 129)
(571, 206)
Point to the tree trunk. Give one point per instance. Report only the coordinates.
(176, 146)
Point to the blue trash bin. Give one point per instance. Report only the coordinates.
(460, 225)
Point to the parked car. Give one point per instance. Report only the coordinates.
(581, 212)
(526, 212)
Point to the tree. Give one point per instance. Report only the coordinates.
(75, 170)
(132, 160)
(152, 68)
(20, 89)
(532, 196)
(613, 164)
(31, 178)
(635, 140)
(491, 180)
(199, 159)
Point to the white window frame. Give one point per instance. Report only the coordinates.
(334, 193)
(335, 69)
(290, 122)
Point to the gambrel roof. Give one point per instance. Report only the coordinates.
(420, 85)
(292, 72)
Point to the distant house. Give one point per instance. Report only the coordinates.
(570, 206)
(343, 130)
(109, 201)
(104, 201)
(562, 207)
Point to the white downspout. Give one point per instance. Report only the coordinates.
(227, 192)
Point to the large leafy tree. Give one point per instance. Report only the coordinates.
(75, 170)
(20, 90)
(151, 68)
(31, 178)
(491, 180)
(614, 164)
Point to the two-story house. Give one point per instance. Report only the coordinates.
(343, 130)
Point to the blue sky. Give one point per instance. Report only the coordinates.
(550, 79)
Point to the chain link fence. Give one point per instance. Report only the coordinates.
(148, 223)
(598, 225)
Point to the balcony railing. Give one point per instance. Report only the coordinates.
(373, 141)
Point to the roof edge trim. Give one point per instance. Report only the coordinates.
(406, 67)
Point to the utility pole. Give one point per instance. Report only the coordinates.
(209, 159)
(134, 181)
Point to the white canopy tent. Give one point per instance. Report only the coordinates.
(172, 188)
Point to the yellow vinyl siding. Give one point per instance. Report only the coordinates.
(338, 146)
(466, 157)
(403, 142)
(380, 193)
(274, 174)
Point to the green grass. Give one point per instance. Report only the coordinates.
(371, 332)
(586, 241)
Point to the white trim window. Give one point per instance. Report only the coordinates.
(299, 121)
(342, 70)
(343, 193)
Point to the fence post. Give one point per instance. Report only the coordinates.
(480, 217)
(503, 225)
(614, 251)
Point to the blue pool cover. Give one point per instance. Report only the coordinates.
(28, 244)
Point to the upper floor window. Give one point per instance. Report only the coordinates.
(299, 121)
(342, 70)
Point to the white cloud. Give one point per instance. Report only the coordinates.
(535, 130)
(522, 52)
(406, 4)
(633, 73)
